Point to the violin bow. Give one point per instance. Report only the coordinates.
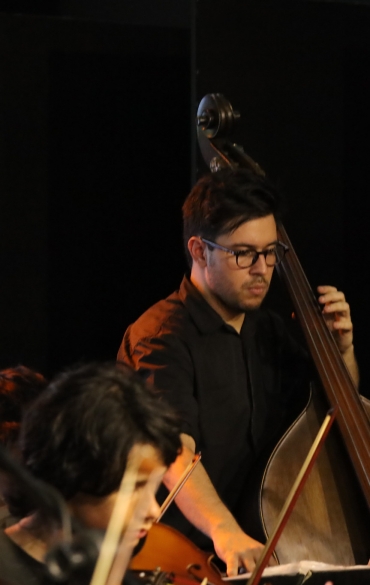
(124, 551)
(177, 487)
(116, 522)
(293, 496)
(114, 553)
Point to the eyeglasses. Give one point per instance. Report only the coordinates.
(246, 258)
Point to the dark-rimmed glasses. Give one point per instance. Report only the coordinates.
(246, 258)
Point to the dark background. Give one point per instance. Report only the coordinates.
(95, 163)
(98, 151)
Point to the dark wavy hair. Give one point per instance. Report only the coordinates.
(78, 434)
(220, 202)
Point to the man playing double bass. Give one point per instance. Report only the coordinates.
(228, 366)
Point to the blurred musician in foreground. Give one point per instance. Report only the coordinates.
(228, 365)
(78, 437)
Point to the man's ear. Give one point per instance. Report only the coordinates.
(197, 250)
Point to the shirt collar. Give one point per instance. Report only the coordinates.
(205, 318)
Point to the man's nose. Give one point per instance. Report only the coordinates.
(260, 266)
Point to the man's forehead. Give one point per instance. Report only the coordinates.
(260, 227)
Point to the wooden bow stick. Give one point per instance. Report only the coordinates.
(293, 496)
(118, 517)
(177, 487)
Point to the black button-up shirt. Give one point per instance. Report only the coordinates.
(232, 391)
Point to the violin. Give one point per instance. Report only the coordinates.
(172, 552)
(181, 555)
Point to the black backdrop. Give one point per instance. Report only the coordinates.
(95, 150)
(96, 142)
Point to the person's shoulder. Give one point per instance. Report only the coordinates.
(164, 317)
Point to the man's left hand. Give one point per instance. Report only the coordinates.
(337, 315)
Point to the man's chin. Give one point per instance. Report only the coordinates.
(251, 309)
(253, 305)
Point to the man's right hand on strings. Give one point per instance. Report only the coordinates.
(200, 503)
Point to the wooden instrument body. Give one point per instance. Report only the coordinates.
(329, 522)
(170, 550)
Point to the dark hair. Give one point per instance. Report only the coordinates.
(220, 202)
(19, 386)
(79, 433)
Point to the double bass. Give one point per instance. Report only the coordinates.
(331, 519)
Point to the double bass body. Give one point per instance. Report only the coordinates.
(330, 521)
